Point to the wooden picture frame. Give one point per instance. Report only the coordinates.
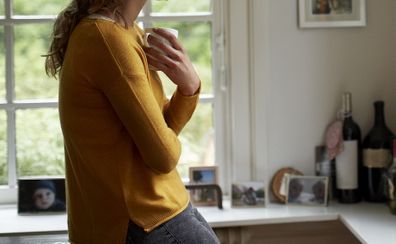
(203, 175)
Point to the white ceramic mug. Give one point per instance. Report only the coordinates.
(150, 31)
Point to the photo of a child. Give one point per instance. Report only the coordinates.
(44, 197)
(41, 195)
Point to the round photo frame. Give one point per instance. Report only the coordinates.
(279, 179)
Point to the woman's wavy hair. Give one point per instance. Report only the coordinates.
(65, 23)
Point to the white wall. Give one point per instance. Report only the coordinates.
(300, 74)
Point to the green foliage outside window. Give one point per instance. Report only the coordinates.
(38, 7)
(39, 142)
(31, 82)
(177, 6)
(2, 8)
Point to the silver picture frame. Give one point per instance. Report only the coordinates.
(307, 190)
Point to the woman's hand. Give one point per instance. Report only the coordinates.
(175, 63)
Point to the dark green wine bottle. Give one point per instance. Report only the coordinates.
(377, 157)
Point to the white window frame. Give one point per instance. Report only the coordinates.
(220, 97)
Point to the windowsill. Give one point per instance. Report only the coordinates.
(371, 223)
(13, 224)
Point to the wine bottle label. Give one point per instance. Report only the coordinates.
(377, 158)
(347, 166)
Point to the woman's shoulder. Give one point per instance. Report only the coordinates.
(121, 44)
(94, 30)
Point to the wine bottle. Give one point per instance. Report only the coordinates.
(377, 157)
(348, 161)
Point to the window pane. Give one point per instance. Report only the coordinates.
(31, 82)
(2, 65)
(197, 139)
(196, 38)
(3, 148)
(177, 6)
(39, 143)
(42, 7)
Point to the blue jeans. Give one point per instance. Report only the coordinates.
(187, 227)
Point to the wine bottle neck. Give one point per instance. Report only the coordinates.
(379, 115)
(347, 106)
(348, 117)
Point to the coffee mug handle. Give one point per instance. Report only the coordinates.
(145, 39)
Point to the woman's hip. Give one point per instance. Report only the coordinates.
(187, 227)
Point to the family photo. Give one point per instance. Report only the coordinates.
(307, 190)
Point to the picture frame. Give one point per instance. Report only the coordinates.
(248, 195)
(41, 195)
(203, 175)
(324, 166)
(332, 13)
(307, 190)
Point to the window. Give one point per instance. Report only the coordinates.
(30, 135)
(195, 25)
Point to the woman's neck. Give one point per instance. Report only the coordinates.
(124, 20)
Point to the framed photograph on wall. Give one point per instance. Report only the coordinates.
(307, 190)
(332, 13)
(41, 195)
(248, 194)
(203, 175)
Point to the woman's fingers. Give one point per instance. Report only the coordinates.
(173, 61)
(168, 50)
(156, 64)
(160, 57)
(170, 37)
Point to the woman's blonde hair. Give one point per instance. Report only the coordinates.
(65, 23)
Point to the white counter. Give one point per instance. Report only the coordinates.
(371, 223)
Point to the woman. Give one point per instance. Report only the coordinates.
(119, 129)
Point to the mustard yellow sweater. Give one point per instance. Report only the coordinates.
(120, 135)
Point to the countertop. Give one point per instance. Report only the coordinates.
(371, 223)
